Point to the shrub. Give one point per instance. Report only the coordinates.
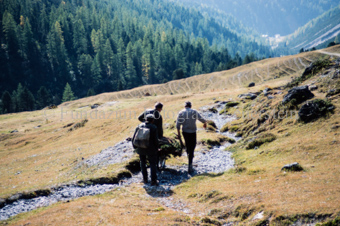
(231, 104)
(265, 138)
(224, 128)
(233, 129)
(211, 123)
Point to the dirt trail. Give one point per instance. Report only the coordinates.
(296, 63)
(329, 53)
(258, 75)
(304, 65)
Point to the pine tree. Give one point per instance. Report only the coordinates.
(130, 73)
(43, 98)
(198, 68)
(6, 100)
(23, 99)
(68, 94)
(17, 102)
(90, 92)
(9, 29)
(84, 68)
(96, 70)
(247, 59)
(28, 41)
(57, 53)
(27, 101)
(108, 59)
(79, 38)
(178, 74)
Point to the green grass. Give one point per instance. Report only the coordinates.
(262, 139)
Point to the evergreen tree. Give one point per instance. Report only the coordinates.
(178, 74)
(331, 44)
(9, 29)
(57, 53)
(79, 38)
(6, 100)
(68, 94)
(247, 59)
(198, 69)
(23, 99)
(26, 100)
(96, 70)
(90, 92)
(130, 73)
(17, 102)
(43, 98)
(108, 59)
(85, 71)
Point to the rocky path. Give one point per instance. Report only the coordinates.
(215, 160)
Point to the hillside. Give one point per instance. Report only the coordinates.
(104, 46)
(48, 151)
(270, 17)
(225, 19)
(323, 29)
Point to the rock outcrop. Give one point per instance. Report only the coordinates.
(300, 94)
(314, 109)
(292, 167)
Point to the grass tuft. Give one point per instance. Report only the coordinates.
(262, 139)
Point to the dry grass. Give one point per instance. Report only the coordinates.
(45, 156)
(128, 206)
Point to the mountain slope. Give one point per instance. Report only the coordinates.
(225, 19)
(45, 147)
(272, 17)
(106, 46)
(317, 31)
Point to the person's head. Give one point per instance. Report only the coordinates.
(150, 118)
(159, 106)
(187, 104)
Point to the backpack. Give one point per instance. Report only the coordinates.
(142, 137)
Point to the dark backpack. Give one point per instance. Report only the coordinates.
(142, 137)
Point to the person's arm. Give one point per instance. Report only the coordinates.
(179, 122)
(159, 123)
(141, 117)
(201, 119)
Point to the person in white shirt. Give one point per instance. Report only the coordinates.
(187, 120)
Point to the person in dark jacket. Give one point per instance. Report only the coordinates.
(187, 120)
(151, 152)
(158, 117)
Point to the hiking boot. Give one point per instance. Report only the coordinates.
(154, 183)
(190, 169)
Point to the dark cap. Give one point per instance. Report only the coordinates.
(150, 117)
(159, 105)
(188, 104)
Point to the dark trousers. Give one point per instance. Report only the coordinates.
(153, 166)
(190, 143)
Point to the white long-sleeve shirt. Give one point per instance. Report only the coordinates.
(187, 119)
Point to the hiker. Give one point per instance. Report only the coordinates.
(149, 151)
(158, 117)
(187, 119)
